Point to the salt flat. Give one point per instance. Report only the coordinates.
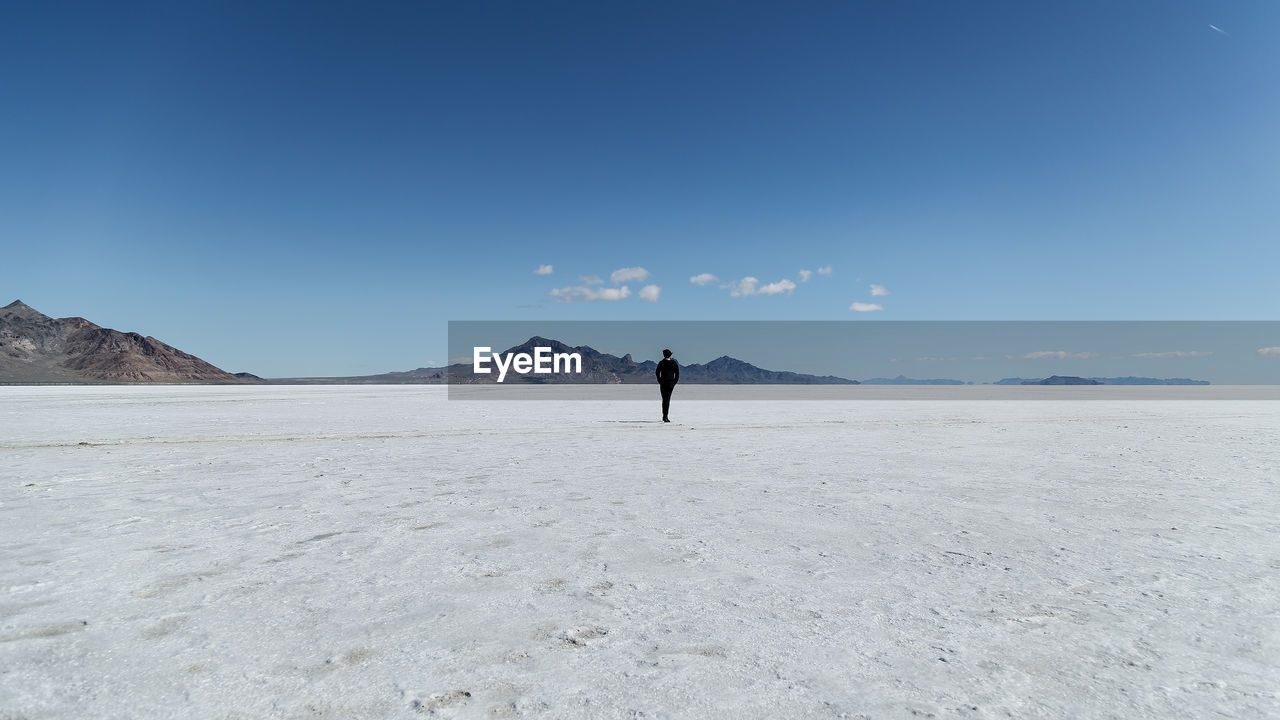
(370, 552)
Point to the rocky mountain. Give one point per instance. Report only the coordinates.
(597, 368)
(35, 348)
(725, 370)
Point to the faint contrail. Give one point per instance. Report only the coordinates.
(1215, 28)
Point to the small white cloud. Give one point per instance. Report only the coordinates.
(804, 275)
(879, 291)
(649, 293)
(613, 293)
(782, 286)
(1217, 29)
(1269, 352)
(744, 287)
(638, 274)
(704, 279)
(748, 286)
(865, 307)
(1053, 355)
(544, 270)
(583, 293)
(1174, 354)
(590, 279)
(824, 270)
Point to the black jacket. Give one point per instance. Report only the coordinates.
(668, 371)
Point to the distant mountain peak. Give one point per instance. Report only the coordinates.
(904, 380)
(1063, 380)
(35, 348)
(19, 309)
(539, 341)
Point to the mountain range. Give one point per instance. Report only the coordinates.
(597, 368)
(35, 348)
(904, 380)
(1060, 380)
(38, 349)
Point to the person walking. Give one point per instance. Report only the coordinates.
(668, 373)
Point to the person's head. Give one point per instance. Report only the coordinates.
(666, 353)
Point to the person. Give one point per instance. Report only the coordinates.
(668, 373)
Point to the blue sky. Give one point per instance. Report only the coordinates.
(318, 188)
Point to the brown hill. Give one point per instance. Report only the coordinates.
(35, 348)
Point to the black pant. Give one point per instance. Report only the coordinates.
(666, 397)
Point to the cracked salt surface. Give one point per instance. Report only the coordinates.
(370, 552)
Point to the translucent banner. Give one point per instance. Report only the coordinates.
(864, 360)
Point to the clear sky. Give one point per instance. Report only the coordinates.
(317, 188)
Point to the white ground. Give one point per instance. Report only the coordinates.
(369, 552)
